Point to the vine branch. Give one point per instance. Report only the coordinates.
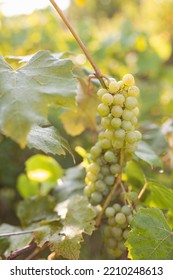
(98, 73)
(21, 251)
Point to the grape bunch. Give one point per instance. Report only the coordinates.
(117, 228)
(118, 111)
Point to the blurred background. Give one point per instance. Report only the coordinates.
(122, 36)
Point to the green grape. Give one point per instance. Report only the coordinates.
(94, 168)
(127, 125)
(105, 170)
(107, 231)
(96, 198)
(133, 91)
(109, 180)
(121, 246)
(109, 156)
(134, 120)
(138, 135)
(96, 151)
(128, 80)
(131, 148)
(115, 168)
(109, 212)
(87, 191)
(116, 232)
(117, 207)
(113, 87)
(118, 144)
(116, 111)
(129, 218)
(91, 177)
(106, 122)
(127, 115)
(126, 210)
(100, 186)
(117, 253)
(103, 110)
(100, 92)
(131, 137)
(107, 99)
(111, 242)
(106, 144)
(133, 196)
(120, 218)
(136, 111)
(116, 122)
(118, 99)
(125, 233)
(131, 102)
(111, 221)
(109, 133)
(120, 134)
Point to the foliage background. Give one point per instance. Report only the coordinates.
(122, 36)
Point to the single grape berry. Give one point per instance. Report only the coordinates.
(128, 80)
(118, 99)
(133, 91)
(103, 110)
(107, 99)
(100, 92)
(131, 102)
(116, 111)
(120, 218)
(113, 87)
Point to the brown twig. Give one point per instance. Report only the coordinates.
(21, 251)
(98, 73)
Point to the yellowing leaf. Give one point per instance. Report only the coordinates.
(84, 117)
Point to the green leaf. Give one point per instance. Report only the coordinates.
(145, 153)
(25, 98)
(13, 243)
(77, 218)
(161, 196)
(150, 237)
(135, 175)
(41, 168)
(35, 209)
(48, 140)
(71, 183)
(26, 187)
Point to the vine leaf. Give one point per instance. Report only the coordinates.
(13, 242)
(77, 218)
(26, 93)
(161, 196)
(145, 153)
(35, 209)
(84, 116)
(135, 175)
(26, 187)
(150, 238)
(48, 140)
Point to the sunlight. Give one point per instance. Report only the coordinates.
(17, 7)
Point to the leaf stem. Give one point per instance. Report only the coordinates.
(142, 191)
(98, 73)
